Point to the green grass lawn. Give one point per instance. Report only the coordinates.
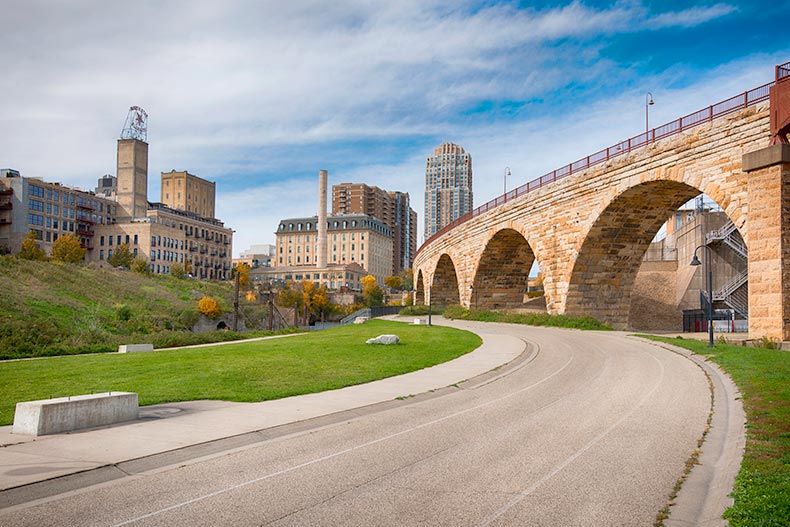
(245, 371)
(762, 489)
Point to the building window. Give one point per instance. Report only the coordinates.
(101, 255)
(135, 241)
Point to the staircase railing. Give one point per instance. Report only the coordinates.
(729, 288)
(364, 312)
(726, 234)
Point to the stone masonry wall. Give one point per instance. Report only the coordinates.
(589, 230)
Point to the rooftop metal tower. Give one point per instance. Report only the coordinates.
(136, 125)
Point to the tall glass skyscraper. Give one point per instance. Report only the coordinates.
(448, 186)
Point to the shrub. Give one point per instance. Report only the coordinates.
(177, 270)
(188, 317)
(209, 306)
(123, 312)
(140, 266)
(456, 311)
(421, 310)
(122, 257)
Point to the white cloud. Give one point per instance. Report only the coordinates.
(229, 85)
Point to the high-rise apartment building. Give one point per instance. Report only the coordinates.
(391, 208)
(448, 186)
(185, 191)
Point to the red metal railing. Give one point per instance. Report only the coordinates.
(706, 115)
(783, 70)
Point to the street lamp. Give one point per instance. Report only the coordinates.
(648, 103)
(507, 173)
(695, 261)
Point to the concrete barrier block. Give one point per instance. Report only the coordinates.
(64, 414)
(133, 348)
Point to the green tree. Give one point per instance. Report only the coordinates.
(372, 294)
(407, 279)
(30, 249)
(121, 257)
(68, 248)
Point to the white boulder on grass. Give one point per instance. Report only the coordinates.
(361, 320)
(384, 339)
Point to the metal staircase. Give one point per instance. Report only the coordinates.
(734, 293)
(729, 235)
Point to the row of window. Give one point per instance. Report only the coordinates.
(68, 212)
(51, 223)
(109, 253)
(67, 199)
(126, 239)
(339, 224)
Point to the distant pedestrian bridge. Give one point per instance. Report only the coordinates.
(589, 224)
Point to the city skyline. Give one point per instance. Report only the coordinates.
(259, 97)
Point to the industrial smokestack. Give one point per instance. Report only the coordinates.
(322, 236)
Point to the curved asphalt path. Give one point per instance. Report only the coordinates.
(595, 429)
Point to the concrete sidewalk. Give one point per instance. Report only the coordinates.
(168, 427)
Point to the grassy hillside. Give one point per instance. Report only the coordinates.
(51, 308)
(243, 371)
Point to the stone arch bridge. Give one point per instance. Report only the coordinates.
(589, 224)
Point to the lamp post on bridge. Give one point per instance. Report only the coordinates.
(695, 261)
(507, 173)
(648, 103)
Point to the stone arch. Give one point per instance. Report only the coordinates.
(419, 289)
(502, 271)
(603, 274)
(444, 289)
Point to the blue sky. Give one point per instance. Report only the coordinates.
(258, 96)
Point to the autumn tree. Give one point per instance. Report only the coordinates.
(305, 297)
(68, 248)
(393, 282)
(140, 266)
(244, 276)
(209, 306)
(121, 257)
(321, 303)
(371, 292)
(30, 249)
